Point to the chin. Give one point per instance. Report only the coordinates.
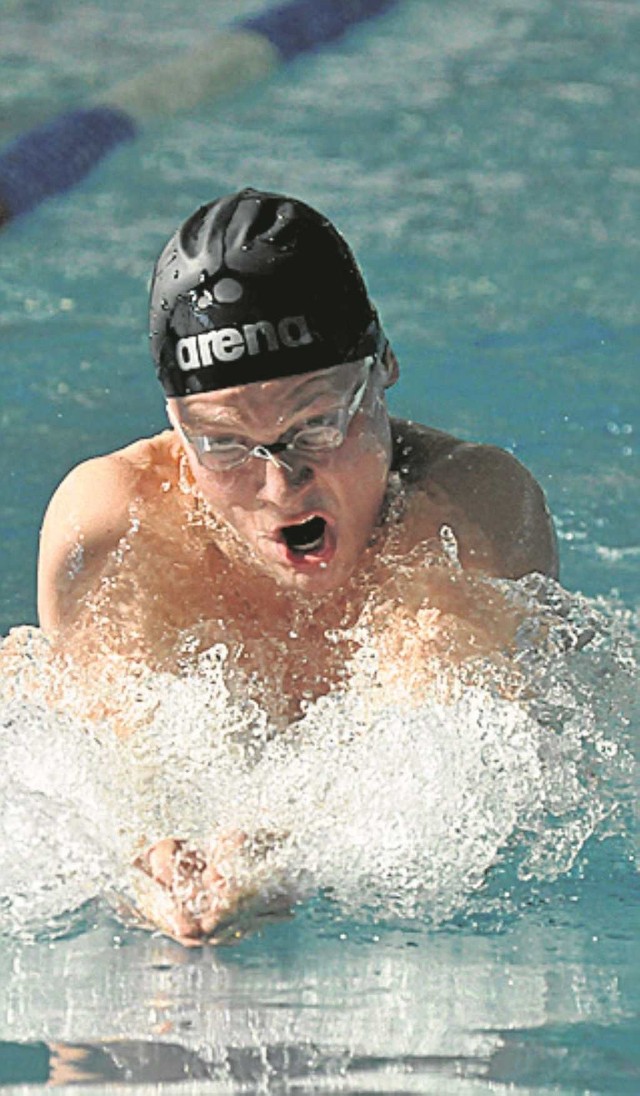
(313, 580)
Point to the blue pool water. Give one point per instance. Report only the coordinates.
(484, 161)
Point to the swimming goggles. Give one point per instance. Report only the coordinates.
(319, 434)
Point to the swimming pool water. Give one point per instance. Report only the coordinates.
(484, 162)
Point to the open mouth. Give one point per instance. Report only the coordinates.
(306, 538)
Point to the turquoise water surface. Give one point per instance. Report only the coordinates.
(484, 162)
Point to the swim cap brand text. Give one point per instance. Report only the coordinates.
(227, 344)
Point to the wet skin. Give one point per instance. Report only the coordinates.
(205, 546)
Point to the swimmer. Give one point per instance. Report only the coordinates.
(283, 505)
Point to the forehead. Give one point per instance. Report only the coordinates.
(275, 399)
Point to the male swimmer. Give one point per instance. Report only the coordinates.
(283, 506)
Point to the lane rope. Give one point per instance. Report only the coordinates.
(55, 156)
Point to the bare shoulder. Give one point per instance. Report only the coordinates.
(494, 505)
(99, 493)
(88, 515)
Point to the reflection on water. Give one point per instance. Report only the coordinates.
(140, 1062)
(325, 1003)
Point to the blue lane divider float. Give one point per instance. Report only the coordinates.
(56, 156)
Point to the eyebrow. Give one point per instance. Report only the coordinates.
(213, 417)
(306, 398)
(325, 389)
(228, 419)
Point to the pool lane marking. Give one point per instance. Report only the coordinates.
(55, 156)
(241, 58)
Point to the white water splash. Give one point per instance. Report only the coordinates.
(391, 805)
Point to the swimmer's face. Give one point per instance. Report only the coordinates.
(305, 512)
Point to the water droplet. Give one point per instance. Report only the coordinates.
(205, 300)
(449, 544)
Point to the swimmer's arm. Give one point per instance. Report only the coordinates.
(497, 512)
(88, 515)
(198, 895)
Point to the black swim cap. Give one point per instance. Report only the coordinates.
(255, 286)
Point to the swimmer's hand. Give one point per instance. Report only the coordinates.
(199, 897)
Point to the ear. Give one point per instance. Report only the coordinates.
(170, 413)
(389, 367)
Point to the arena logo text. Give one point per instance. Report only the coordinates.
(227, 344)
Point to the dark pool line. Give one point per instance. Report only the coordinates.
(306, 25)
(55, 156)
